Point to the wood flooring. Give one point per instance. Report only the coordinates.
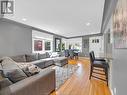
(79, 83)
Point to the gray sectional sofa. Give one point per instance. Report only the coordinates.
(42, 83)
(39, 84)
(41, 60)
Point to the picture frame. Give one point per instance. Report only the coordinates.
(120, 25)
(38, 45)
(57, 44)
(47, 45)
(63, 46)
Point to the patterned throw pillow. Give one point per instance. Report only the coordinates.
(29, 69)
(54, 54)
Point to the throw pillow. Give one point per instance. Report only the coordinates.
(47, 55)
(5, 82)
(54, 54)
(8, 63)
(29, 69)
(26, 71)
(31, 57)
(14, 75)
(42, 56)
(19, 58)
(33, 70)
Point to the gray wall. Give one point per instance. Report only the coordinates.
(118, 68)
(14, 39)
(119, 71)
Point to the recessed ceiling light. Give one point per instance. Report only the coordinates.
(24, 19)
(88, 24)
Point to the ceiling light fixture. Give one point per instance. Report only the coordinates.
(88, 24)
(24, 19)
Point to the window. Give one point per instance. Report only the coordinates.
(95, 41)
(57, 44)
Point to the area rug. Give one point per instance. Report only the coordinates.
(64, 73)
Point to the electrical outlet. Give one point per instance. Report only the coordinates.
(114, 91)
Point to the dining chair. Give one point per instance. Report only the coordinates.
(66, 53)
(98, 64)
(97, 59)
(71, 54)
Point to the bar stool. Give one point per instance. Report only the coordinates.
(98, 64)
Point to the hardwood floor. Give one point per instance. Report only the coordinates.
(79, 83)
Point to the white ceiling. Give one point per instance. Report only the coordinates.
(63, 17)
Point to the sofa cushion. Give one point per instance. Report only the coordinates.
(42, 56)
(61, 54)
(60, 58)
(19, 58)
(42, 63)
(39, 63)
(0, 65)
(4, 83)
(49, 62)
(60, 61)
(8, 63)
(10, 67)
(47, 55)
(31, 57)
(14, 75)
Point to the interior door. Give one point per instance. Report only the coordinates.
(86, 47)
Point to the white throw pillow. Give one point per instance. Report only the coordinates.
(54, 54)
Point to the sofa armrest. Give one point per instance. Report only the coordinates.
(39, 84)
